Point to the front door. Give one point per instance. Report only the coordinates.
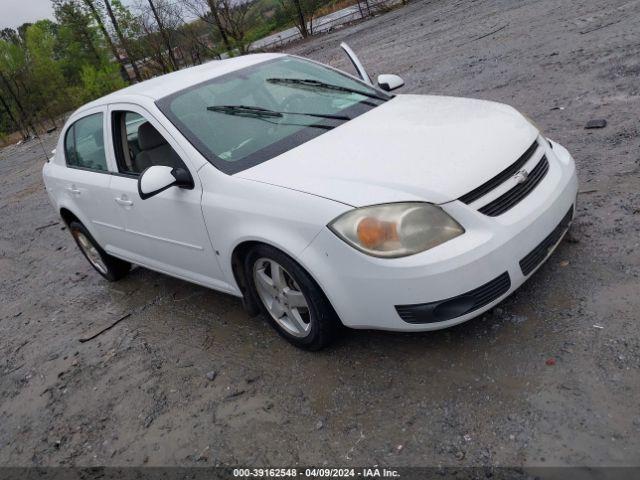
(165, 232)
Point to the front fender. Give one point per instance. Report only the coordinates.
(236, 210)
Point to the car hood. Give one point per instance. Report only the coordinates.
(413, 147)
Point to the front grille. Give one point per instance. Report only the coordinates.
(502, 177)
(457, 306)
(534, 258)
(512, 197)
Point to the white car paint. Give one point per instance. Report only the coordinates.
(425, 148)
(410, 148)
(158, 178)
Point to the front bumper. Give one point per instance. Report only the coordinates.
(370, 292)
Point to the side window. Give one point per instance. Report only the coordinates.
(138, 145)
(84, 144)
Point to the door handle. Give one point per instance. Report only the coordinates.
(74, 190)
(123, 201)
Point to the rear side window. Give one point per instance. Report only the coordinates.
(84, 144)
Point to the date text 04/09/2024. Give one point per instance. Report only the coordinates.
(324, 472)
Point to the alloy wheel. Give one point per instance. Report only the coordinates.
(282, 297)
(90, 252)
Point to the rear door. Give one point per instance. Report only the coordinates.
(165, 232)
(85, 180)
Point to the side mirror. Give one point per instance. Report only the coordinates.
(390, 82)
(158, 178)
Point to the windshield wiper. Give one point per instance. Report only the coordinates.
(259, 112)
(308, 83)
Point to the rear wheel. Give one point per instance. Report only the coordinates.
(289, 298)
(109, 267)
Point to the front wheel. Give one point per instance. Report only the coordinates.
(290, 299)
(109, 267)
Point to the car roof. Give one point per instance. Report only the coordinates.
(169, 83)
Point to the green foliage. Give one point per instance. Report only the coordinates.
(97, 82)
(79, 42)
(46, 80)
(130, 28)
(48, 68)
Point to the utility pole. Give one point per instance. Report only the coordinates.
(167, 43)
(123, 42)
(103, 29)
(221, 28)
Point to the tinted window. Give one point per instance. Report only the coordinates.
(84, 144)
(233, 141)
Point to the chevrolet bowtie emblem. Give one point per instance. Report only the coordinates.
(521, 176)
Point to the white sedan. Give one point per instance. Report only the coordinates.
(320, 199)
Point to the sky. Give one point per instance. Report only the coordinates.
(14, 13)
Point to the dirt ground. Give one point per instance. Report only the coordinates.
(481, 393)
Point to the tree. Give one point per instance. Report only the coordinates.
(22, 31)
(234, 16)
(164, 34)
(302, 13)
(301, 21)
(13, 71)
(78, 39)
(14, 123)
(98, 18)
(45, 74)
(192, 41)
(124, 42)
(209, 12)
(97, 82)
(48, 68)
(10, 35)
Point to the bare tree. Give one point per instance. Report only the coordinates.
(24, 116)
(124, 43)
(301, 21)
(234, 16)
(301, 13)
(193, 39)
(16, 123)
(208, 11)
(98, 18)
(164, 34)
(153, 44)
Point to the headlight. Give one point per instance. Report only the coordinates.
(396, 229)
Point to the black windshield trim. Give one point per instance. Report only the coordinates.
(270, 151)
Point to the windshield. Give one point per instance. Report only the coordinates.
(246, 117)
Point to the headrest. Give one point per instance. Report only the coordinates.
(149, 137)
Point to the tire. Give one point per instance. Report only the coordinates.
(111, 268)
(318, 315)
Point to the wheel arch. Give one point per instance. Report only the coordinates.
(237, 258)
(68, 216)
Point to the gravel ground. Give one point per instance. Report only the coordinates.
(484, 393)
